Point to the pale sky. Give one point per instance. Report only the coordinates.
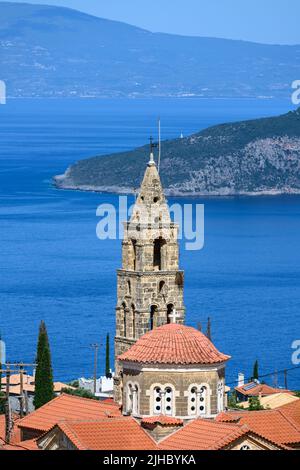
(267, 21)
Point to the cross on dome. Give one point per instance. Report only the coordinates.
(174, 316)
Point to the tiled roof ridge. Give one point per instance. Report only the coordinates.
(162, 419)
(71, 434)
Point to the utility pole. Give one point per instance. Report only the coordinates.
(8, 417)
(21, 391)
(95, 346)
(22, 398)
(8, 423)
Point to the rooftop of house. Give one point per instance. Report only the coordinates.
(204, 434)
(90, 424)
(276, 425)
(28, 384)
(120, 433)
(254, 389)
(292, 410)
(68, 408)
(273, 401)
(174, 344)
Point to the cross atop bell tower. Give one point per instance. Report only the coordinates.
(150, 283)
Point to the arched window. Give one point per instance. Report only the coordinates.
(159, 254)
(168, 401)
(153, 314)
(198, 400)
(128, 288)
(170, 308)
(163, 400)
(193, 401)
(161, 287)
(202, 404)
(157, 401)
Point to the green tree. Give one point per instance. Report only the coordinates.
(208, 331)
(44, 390)
(255, 371)
(79, 392)
(107, 358)
(254, 404)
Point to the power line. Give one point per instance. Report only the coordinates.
(270, 374)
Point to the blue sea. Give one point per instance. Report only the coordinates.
(53, 267)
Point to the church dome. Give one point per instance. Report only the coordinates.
(174, 344)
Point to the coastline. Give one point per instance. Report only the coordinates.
(170, 192)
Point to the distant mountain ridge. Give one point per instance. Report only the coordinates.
(58, 52)
(254, 157)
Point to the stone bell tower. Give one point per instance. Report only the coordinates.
(150, 283)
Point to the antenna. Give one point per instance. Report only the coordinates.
(159, 145)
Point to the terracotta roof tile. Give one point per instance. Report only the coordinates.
(258, 389)
(292, 410)
(274, 425)
(68, 407)
(202, 434)
(174, 344)
(108, 434)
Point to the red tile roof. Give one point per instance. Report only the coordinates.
(108, 434)
(163, 420)
(202, 434)
(174, 344)
(258, 389)
(68, 407)
(274, 425)
(292, 410)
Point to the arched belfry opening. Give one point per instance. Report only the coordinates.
(159, 254)
(132, 255)
(153, 314)
(170, 308)
(128, 288)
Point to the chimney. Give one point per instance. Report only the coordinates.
(241, 379)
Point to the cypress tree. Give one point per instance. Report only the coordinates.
(107, 358)
(255, 371)
(208, 331)
(44, 390)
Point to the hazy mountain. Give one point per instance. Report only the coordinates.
(54, 51)
(251, 157)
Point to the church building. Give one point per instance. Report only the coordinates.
(162, 367)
